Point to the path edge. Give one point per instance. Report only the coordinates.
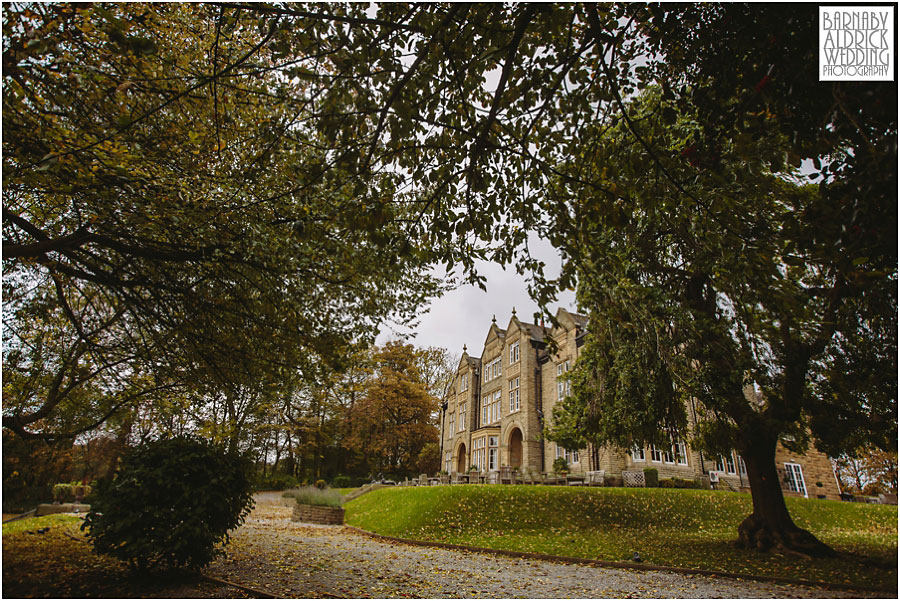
(626, 565)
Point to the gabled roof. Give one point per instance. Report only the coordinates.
(494, 330)
(566, 317)
(466, 360)
(535, 332)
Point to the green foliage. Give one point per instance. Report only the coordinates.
(321, 484)
(173, 502)
(67, 492)
(715, 289)
(685, 528)
(107, 228)
(560, 465)
(342, 482)
(275, 481)
(651, 477)
(679, 483)
(315, 495)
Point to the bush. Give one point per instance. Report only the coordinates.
(560, 465)
(651, 477)
(678, 483)
(276, 482)
(68, 492)
(342, 482)
(61, 492)
(172, 502)
(320, 484)
(311, 495)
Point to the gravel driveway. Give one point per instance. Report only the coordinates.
(288, 559)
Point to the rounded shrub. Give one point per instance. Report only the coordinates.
(320, 484)
(342, 482)
(560, 465)
(172, 503)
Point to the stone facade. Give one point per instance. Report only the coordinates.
(502, 399)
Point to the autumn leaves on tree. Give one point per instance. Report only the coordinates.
(396, 418)
(207, 202)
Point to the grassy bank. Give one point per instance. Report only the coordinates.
(687, 528)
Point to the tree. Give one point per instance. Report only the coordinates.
(221, 250)
(173, 503)
(711, 284)
(396, 418)
(867, 471)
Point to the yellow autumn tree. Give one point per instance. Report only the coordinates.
(396, 416)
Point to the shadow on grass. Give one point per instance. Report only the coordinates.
(51, 564)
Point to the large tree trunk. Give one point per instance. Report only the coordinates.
(770, 525)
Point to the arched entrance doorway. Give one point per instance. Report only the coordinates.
(461, 459)
(515, 448)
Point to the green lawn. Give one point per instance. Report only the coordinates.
(56, 520)
(687, 528)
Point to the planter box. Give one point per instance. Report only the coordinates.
(318, 514)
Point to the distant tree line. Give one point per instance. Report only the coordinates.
(376, 415)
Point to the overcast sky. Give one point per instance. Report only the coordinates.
(463, 316)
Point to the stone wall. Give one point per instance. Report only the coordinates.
(317, 514)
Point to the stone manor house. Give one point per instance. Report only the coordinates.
(501, 401)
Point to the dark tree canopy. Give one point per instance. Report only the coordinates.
(165, 210)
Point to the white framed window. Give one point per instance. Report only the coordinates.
(493, 369)
(637, 454)
(725, 463)
(462, 417)
(448, 461)
(492, 452)
(729, 463)
(563, 386)
(485, 373)
(669, 456)
(484, 411)
(794, 476)
(495, 407)
(452, 427)
(513, 353)
(514, 403)
(655, 454)
(742, 466)
(478, 453)
(464, 382)
(570, 456)
(680, 451)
